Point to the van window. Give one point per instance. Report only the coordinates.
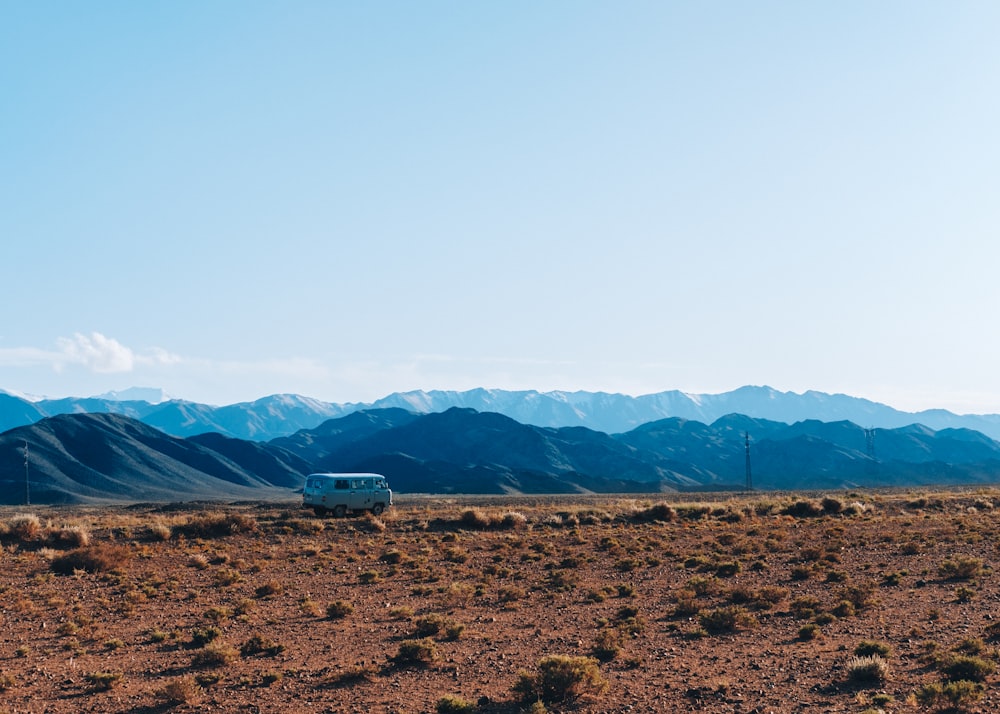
(342, 484)
(356, 483)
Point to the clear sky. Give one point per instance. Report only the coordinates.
(346, 199)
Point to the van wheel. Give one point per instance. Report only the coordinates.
(319, 511)
(377, 509)
(339, 511)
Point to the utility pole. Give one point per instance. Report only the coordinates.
(27, 490)
(872, 466)
(749, 475)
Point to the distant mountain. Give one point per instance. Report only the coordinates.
(261, 420)
(461, 450)
(80, 458)
(284, 414)
(76, 458)
(812, 454)
(616, 413)
(136, 394)
(466, 441)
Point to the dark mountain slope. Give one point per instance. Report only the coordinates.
(271, 463)
(15, 412)
(95, 457)
(316, 443)
(467, 440)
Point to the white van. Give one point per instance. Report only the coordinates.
(340, 493)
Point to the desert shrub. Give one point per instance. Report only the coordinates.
(870, 669)
(183, 690)
(966, 667)
(893, 579)
(430, 624)
(703, 586)
(216, 654)
(6, 681)
(844, 608)
(24, 527)
(950, 696)
(260, 645)
(69, 537)
(369, 577)
(475, 519)
(804, 607)
(726, 619)
(693, 512)
(800, 572)
(510, 594)
(160, 531)
(866, 648)
(416, 652)
(561, 678)
(964, 568)
(215, 525)
(727, 570)
(662, 512)
(224, 577)
(861, 596)
(561, 581)
(218, 613)
(393, 556)
(964, 594)
(269, 589)
(607, 646)
(92, 559)
(802, 509)
(202, 636)
(809, 632)
(371, 523)
(451, 704)
(768, 596)
(971, 646)
(269, 678)
(103, 681)
(339, 609)
(513, 520)
(832, 505)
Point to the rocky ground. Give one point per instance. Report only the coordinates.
(746, 604)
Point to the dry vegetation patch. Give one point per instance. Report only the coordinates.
(833, 602)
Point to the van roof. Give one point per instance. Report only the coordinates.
(344, 475)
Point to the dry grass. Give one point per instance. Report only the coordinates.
(865, 598)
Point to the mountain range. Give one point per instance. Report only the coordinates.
(284, 414)
(98, 457)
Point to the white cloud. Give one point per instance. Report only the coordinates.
(104, 355)
(95, 352)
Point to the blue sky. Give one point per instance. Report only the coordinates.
(342, 200)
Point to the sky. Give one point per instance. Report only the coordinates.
(232, 199)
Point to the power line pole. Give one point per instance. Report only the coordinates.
(872, 466)
(27, 489)
(749, 475)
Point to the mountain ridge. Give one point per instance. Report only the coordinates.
(112, 457)
(284, 414)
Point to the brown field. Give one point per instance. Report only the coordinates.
(857, 602)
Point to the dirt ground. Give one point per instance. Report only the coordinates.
(756, 603)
